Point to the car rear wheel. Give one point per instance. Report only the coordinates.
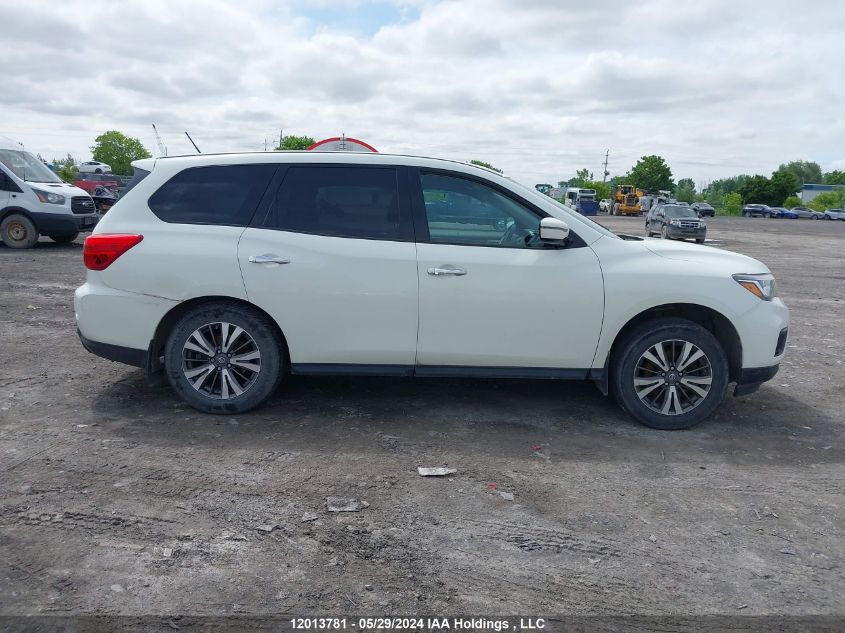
(663, 233)
(670, 374)
(18, 231)
(699, 240)
(224, 358)
(767, 215)
(746, 214)
(64, 239)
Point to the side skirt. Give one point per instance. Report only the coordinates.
(445, 371)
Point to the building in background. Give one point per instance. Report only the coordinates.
(810, 191)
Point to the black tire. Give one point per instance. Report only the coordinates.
(64, 239)
(265, 337)
(746, 214)
(631, 349)
(664, 233)
(699, 240)
(98, 171)
(814, 217)
(827, 217)
(647, 232)
(767, 215)
(18, 231)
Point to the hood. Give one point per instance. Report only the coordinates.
(62, 188)
(707, 256)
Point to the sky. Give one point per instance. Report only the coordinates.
(538, 88)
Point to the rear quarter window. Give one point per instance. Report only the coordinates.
(221, 194)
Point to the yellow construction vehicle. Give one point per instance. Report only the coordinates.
(626, 200)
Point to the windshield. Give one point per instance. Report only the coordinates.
(533, 194)
(680, 212)
(26, 167)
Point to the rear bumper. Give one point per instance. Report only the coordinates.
(117, 353)
(752, 377)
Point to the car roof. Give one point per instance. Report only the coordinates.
(177, 163)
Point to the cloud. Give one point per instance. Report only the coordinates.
(538, 87)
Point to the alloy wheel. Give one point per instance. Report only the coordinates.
(673, 377)
(221, 360)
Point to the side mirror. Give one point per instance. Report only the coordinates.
(553, 230)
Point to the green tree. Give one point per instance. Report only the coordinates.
(602, 188)
(804, 171)
(118, 150)
(295, 142)
(784, 183)
(685, 193)
(835, 177)
(687, 183)
(481, 163)
(791, 202)
(758, 190)
(828, 200)
(66, 168)
(732, 204)
(651, 173)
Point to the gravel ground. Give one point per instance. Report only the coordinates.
(116, 499)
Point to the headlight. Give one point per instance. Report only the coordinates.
(675, 222)
(49, 197)
(762, 286)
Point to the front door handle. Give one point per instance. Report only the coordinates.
(447, 270)
(268, 258)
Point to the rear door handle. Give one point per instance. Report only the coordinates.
(268, 258)
(446, 270)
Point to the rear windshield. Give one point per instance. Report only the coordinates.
(222, 194)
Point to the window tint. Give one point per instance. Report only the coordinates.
(461, 211)
(224, 194)
(358, 202)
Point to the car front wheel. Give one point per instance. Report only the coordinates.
(670, 374)
(663, 233)
(224, 358)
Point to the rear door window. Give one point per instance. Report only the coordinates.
(341, 201)
(219, 194)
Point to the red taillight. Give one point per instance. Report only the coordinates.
(100, 251)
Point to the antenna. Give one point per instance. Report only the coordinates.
(192, 142)
(162, 148)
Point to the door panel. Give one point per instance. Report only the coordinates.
(512, 308)
(339, 300)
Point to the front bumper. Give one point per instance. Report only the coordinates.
(751, 378)
(679, 233)
(64, 223)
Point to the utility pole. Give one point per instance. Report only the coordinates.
(281, 136)
(265, 143)
(606, 173)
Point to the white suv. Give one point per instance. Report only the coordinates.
(228, 271)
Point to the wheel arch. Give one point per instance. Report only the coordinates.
(7, 211)
(712, 320)
(169, 320)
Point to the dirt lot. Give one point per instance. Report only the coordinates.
(117, 499)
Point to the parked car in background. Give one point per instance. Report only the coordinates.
(230, 272)
(675, 222)
(834, 214)
(605, 204)
(758, 210)
(703, 209)
(94, 167)
(800, 212)
(34, 201)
